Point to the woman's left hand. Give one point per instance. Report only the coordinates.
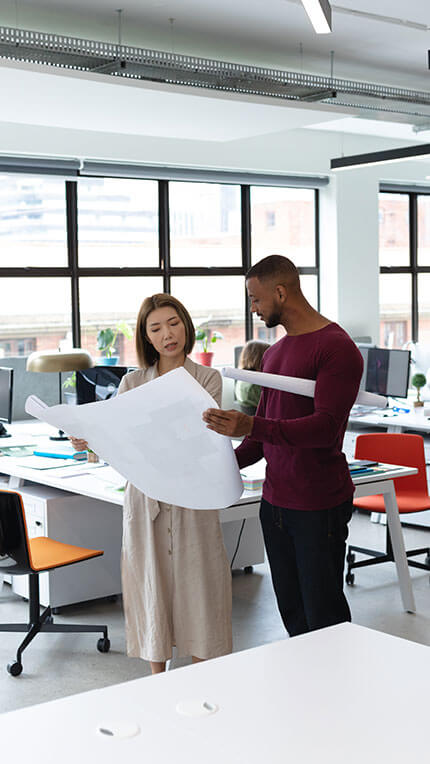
(231, 423)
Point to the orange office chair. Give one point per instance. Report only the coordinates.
(411, 492)
(20, 555)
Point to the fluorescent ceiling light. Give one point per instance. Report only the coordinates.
(380, 157)
(319, 12)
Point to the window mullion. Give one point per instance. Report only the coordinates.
(246, 252)
(164, 232)
(72, 251)
(413, 244)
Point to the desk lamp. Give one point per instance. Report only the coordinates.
(55, 360)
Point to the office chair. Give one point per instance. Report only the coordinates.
(20, 555)
(411, 492)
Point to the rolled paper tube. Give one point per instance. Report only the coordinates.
(295, 385)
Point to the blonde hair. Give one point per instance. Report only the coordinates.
(147, 355)
(252, 355)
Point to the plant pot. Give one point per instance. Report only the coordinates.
(418, 404)
(105, 361)
(204, 358)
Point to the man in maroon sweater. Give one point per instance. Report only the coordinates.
(307, 493)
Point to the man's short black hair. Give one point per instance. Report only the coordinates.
(276, 268)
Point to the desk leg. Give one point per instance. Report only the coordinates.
(394, 428)
(15, 482)
(398, 545)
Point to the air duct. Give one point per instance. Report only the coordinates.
(143, 64)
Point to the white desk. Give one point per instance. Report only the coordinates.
(246, 507)
(302, 700)
(415, 420)
(95, 521)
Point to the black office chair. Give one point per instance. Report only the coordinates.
(19, 556)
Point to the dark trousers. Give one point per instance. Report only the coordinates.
(306, 552)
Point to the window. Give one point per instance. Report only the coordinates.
(283, 223)
(205, 225)
(424, 307)
(117, 223)
(104, 302)
(35, 314)
(394, 230)
(80, 256)
(32, 222)
(216, 303)
(404, 259)
(395, 301)
(270, 219)
(424, 231)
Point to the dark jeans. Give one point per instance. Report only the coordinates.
(306, 552)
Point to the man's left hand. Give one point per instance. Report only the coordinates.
(231, 423)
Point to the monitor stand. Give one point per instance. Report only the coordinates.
(3, 432)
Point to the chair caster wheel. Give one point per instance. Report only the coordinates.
(350, 558)
(350, 578)
(14, 668)
(103, 645)
(248, 569)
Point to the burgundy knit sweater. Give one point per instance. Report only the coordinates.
(301, 438)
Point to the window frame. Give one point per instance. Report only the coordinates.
(413, 269)
(75, 272)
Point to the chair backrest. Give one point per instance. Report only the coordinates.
(13, 529)
(397, 448)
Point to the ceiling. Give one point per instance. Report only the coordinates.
(384, 42)
(150, 109)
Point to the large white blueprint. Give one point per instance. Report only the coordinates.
(155, 437)
(295, 385)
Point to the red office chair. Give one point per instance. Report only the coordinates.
(411, 492)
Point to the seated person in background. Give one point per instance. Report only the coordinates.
(250, 359)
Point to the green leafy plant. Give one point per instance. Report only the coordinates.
(202, 335)
(106, 338)
(418, 381)
(70, 382)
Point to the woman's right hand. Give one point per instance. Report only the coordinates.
(79, 444)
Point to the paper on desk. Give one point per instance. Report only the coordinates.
(296, 385)
(155, 437)
(44, 463)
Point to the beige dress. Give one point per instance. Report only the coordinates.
(175, 574)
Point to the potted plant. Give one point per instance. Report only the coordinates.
(106, 339)
(69, 387)
(418, 381)
(206, 338)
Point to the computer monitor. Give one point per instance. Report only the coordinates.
(98, 383)
(6, 397)
(386, 371)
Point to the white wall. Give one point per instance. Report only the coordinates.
(349, 252)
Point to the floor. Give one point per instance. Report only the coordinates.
(60, 665)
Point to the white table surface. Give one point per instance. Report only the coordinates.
(394, 422)
(77, 477)
(342, 695)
